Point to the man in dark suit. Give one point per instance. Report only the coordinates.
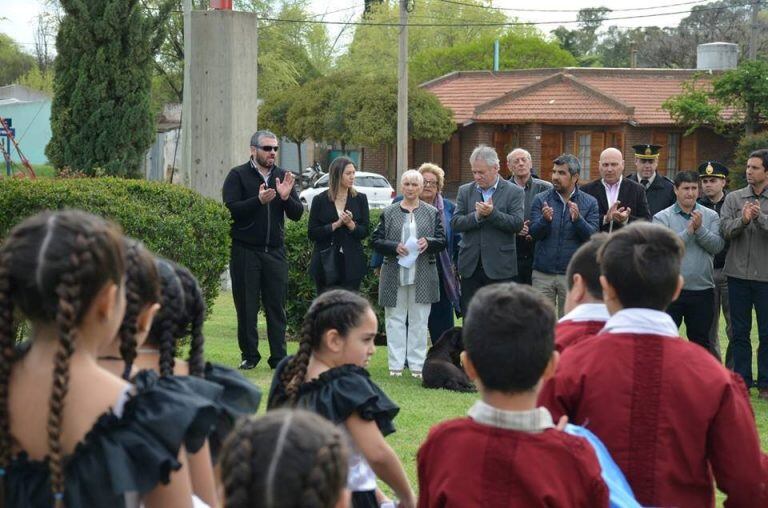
(620, 200)
(659, 190)
(489, 213)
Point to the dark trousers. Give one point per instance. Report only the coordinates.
(470, 285)
(743, 295)
(259, 277)
(441, 312)
(524, 261)
(345, 283)
(695, 307)
(721, 302)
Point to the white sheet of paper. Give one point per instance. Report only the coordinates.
(412, 244)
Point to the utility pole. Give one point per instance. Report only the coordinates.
(402, 94)
(186, 125)
(753, 31)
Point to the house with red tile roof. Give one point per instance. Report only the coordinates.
(550, 111)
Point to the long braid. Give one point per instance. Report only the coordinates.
(165, 326)
(69, 308)
(237, 461)
(329, 470)
(127, 332)
(7, 357)
(195, 317)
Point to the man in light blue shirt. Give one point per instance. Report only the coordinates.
(699, 229)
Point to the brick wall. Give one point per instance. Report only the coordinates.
(712, 146)
(471, 137)
(530, 139)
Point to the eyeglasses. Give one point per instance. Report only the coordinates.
(428, 183)
(269, 148)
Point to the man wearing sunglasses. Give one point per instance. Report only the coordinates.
(259, 195)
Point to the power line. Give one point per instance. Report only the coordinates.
(502, 24)
(523, 9)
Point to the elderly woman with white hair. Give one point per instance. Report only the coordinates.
(408, 287)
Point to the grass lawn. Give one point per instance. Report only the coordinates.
(420, 408)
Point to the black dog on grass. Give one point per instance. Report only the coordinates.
(442, 368)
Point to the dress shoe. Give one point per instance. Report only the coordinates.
(247, 365)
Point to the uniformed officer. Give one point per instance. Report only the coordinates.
(659, 190)
(713, 177)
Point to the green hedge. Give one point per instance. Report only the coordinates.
(171, 220)
(301, 286)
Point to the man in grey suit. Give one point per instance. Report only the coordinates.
(489, 213)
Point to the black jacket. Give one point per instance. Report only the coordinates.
(631, 194)
(254, 224)
(321, 215)
(660, 194)
(719, 261)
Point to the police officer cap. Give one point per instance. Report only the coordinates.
(713, 168)
(647, 151)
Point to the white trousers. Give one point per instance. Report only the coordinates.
(407, 341)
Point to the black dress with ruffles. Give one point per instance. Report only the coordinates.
(122, 458)
(239, 397)
(335, 395)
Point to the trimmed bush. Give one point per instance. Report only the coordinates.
(301, 286)
(171, 220)
(747, 145)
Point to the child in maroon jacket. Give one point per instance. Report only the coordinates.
(586, 313)
(672, 417)
(508, 452)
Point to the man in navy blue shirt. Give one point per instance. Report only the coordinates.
(561, 220)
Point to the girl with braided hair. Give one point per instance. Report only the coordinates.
(182, 314)
(142, 297)
(286, 459)
(327, 376)
(71, 433)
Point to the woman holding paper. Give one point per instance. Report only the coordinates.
(409, 235)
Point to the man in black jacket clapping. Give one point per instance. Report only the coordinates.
(259, 195)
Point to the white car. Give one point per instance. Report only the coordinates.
(374, 186)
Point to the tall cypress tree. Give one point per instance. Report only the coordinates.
(100, 114)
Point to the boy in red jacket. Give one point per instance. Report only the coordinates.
(586, 313)
(670, 415)
(508, 452)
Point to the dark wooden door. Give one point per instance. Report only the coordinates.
(551, 148)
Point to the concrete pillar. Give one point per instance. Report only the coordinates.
(223, 100)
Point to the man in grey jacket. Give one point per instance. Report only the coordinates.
(489, 213)
(699, 229)
(520, 164)
(744, 221)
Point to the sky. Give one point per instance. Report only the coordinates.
(21, 15)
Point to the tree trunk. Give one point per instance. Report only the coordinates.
(749, 120)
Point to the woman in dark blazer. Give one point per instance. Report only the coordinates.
(338, 220)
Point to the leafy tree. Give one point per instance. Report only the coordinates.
(100, 115)
(13, 61)
(724, 20)
(38, 80)
(736, 97)
(273, 115)
(374, 49)
(517, 51)
(747, 144)
(582, 41)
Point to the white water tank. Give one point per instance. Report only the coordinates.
(717, 56)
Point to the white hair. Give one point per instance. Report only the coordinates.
(412, 175)
(522, 150)
(486, 154)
